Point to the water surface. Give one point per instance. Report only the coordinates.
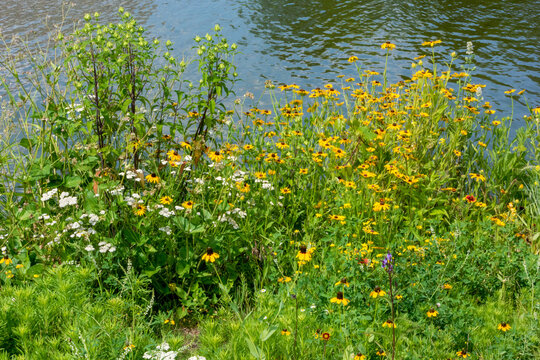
(308, 42)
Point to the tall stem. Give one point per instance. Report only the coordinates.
(393, 316)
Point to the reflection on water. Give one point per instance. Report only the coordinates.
(308, 42)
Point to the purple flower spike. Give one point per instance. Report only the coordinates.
(387, 263)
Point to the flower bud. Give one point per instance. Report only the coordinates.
(87, 17)
(197, 38)
(234, 46)
(168, 43)
(217, 28)
(208, 37)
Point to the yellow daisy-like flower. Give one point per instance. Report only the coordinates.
(174, 155)
(504, 327)
(380, 352)
(343, 282)
(187, 204)
(389, 324)
(377, 292)
(281, 145)
(6, 260)
(359, 356)
(243, 187)
(432, 313)
(303, 171)
(139, 210)
(339, 299)
(285, 190)
(285, 332)
(463, 354)
(388, 45)
(431, 43)
(210, 255)
(304, 254)
(215, 156)
(248, 147)
(260, 175)
(284, 279)
(166, 200)
(353, 59)
(447, 286)
(152, 178)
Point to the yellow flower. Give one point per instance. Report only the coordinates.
(166, 200)
(260, 175)
(152, 178)
(187, 204)
(504, 327)
(215, 156)
(139, 210)
(210, 255)
(303, 171)
(304, 254)
(463, 354)
(431, 43)
(174, 156)
(381, 352)
(382, 205)
(248, 147)
(511, 91)
(389, 323)
(285, 190)
(432, 313)
(377, 292)
(343, 282)
(447, 286)
(359, 356)
(477, 177)
(388, 45)
(339, 299)
(285, 332)
(284, 279)
(353, 59)
(243, 187)
(281, 145)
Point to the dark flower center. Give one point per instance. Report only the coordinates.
(303, 249)
(209, 251)
(340, 295)
(344, 280)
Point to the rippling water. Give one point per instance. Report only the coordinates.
(308, 42)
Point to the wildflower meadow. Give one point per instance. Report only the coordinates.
(150, 212)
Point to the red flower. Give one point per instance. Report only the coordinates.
(470, 198)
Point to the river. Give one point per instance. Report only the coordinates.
(308, 42)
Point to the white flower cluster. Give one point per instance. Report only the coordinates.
(470, 48)
(106, 247)
(133, 199)
(197, 357)
(48, 195)
(265, 184)
(93, 219)
(66, 200)
(166, 212)
(117, 190)
(166, 229)
(133, 174)
(161, 353)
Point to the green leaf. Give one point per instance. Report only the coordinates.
(73, 181)
(255, 351)
(265, 335)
